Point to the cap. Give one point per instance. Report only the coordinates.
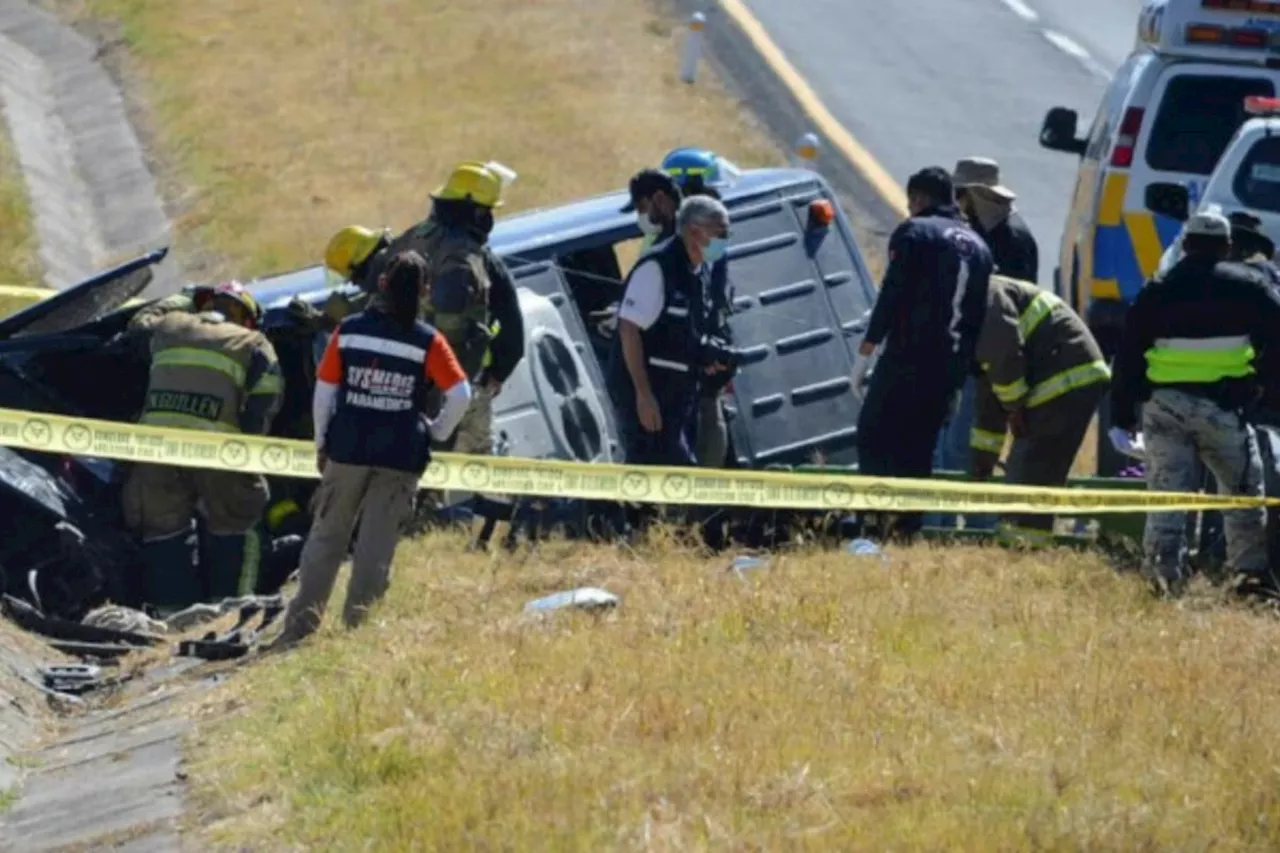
(1244, 222)
(1209, 223)
(646, 182)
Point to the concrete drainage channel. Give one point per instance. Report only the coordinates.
(94, 204)
(93, 199)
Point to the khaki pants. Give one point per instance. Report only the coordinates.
(160, 501)
(380, 499)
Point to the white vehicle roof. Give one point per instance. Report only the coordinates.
(1244, 31)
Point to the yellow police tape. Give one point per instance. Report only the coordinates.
(559, 479)
(14, 298)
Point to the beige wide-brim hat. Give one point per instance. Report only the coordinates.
(981, 173)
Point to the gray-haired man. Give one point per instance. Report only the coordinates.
(657, 366)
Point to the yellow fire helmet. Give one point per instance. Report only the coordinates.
(474, 181)
(351, 247)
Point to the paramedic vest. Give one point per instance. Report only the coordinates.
(380, 421)
(672, 345)
(203, 370)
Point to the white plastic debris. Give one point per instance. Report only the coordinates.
(585, 598)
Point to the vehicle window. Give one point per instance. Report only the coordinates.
(1104, 124)
(1197, 118)
(1257, 181)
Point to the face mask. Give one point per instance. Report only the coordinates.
(715, 249)
(647, 226)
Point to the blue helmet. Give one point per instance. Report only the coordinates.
(692, 165)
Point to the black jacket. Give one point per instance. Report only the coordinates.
(1198, 298)
(934, 294)
(1013, 248)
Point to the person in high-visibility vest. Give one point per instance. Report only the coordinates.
(1198, 348)
(1041, 373)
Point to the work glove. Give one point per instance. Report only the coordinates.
(1129, 444)
(861, 367)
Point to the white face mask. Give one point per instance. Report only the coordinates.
(647, 226)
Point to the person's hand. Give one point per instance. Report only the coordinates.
(1127, 443)
(322, 459)
(493, 387)
(647, 411)
(861, 367)
(1018, 422)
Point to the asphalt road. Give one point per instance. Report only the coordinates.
(930, 81)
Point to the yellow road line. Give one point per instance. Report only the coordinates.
(861, 159)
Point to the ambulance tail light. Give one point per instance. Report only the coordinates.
(1212, 34)
(1258, 7)
(1258, 105)
(1127, 140)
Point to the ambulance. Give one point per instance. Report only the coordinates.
(1166, 117)
(1247, 178)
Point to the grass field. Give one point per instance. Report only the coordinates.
(19, 260)
(962, 700)
(286, 122)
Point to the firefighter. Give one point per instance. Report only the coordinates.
(1197, 349)
(472, 299)
(1040, 371)
(354, 252)
(214, 371)
(373, 441)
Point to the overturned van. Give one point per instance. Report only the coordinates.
(801, 297)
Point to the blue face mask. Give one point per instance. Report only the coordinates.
(715, 249)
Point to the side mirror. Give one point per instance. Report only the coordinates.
(1171, 200)
(1058, 133)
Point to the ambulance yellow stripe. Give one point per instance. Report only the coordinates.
(1111, 208)
(1105, 288)
(1146, 242)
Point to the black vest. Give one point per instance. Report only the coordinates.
(380, 420)
(673, 343)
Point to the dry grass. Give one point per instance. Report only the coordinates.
(289, 121)
(19, 259)
(940, 700)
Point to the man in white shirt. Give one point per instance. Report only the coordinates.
(658, 365)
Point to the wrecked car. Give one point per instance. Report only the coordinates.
(801, 295)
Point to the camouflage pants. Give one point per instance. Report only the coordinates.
(1178, 429)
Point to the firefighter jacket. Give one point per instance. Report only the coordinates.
(472, 299)
(1208, 328)
(382, 373)
(1032, 349)
(209, 374)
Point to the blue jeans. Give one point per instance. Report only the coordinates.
(951, 453)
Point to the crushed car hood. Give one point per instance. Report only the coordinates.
(90, 300)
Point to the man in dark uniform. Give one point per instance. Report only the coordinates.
(930, 309)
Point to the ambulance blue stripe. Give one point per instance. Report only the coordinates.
(1167, 230)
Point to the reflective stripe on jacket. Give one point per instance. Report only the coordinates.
(1033, 348)
(1174, 361)
(208, 374)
